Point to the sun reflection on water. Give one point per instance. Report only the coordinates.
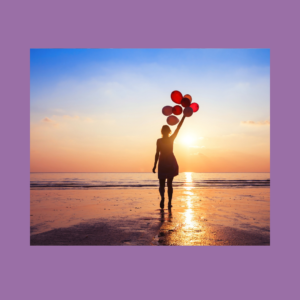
(189, 213)
(189, 218)
(188, 177)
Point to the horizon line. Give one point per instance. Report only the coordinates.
(148, 172)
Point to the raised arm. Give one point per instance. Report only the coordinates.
(156, 157)
(178, 127)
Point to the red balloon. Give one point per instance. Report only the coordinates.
(177, 110)
(188, 96)
(167, 110)
(195, 106)
(188, 111)
(176, 97)
(185, 102)
(172, 120)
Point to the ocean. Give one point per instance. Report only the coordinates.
(146, 180)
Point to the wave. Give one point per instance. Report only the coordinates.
(153, 184)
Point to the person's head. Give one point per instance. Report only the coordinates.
(165, 130)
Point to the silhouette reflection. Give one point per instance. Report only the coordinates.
(183, 226)
(162, 215)
(166, 217)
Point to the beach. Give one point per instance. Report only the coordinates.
(131, 216)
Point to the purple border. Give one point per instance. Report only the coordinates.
(148, 272)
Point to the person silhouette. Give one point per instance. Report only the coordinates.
(167, 165)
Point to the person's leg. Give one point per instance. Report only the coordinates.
(162, 192)
(170, 190)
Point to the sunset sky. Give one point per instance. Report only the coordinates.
(99, 110)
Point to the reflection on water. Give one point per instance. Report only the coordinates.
(189, 213)
(188, 177)
(212, 217)
(183, 228)
(188, 180)
(166, 217)
(188, 193)
(188, 218)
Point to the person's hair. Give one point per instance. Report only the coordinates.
(165, 130)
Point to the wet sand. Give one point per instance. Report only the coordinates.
(239, 216)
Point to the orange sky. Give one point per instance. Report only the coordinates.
(104, 116)
(73, 145)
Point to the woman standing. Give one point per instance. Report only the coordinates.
(167, 165)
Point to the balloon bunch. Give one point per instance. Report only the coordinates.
(185, 101)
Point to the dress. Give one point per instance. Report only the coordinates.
(167, 164)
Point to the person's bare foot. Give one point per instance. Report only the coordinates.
(162, 203)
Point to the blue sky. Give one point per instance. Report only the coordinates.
(52, 65)
(124, 91)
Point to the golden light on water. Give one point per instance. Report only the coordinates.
(189, 213)
(188, 177)
(188, 202)
(188, 218)
(187, 192)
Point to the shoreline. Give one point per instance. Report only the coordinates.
(215, 216)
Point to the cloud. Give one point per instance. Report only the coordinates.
(67, 117)
(258, 123)
(47, 120)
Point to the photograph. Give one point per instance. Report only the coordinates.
(150, 147)
(138, 145)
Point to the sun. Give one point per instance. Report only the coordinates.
(188, 140)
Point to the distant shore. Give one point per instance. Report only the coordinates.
(132, 217)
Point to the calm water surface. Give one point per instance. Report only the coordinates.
(146, 180)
